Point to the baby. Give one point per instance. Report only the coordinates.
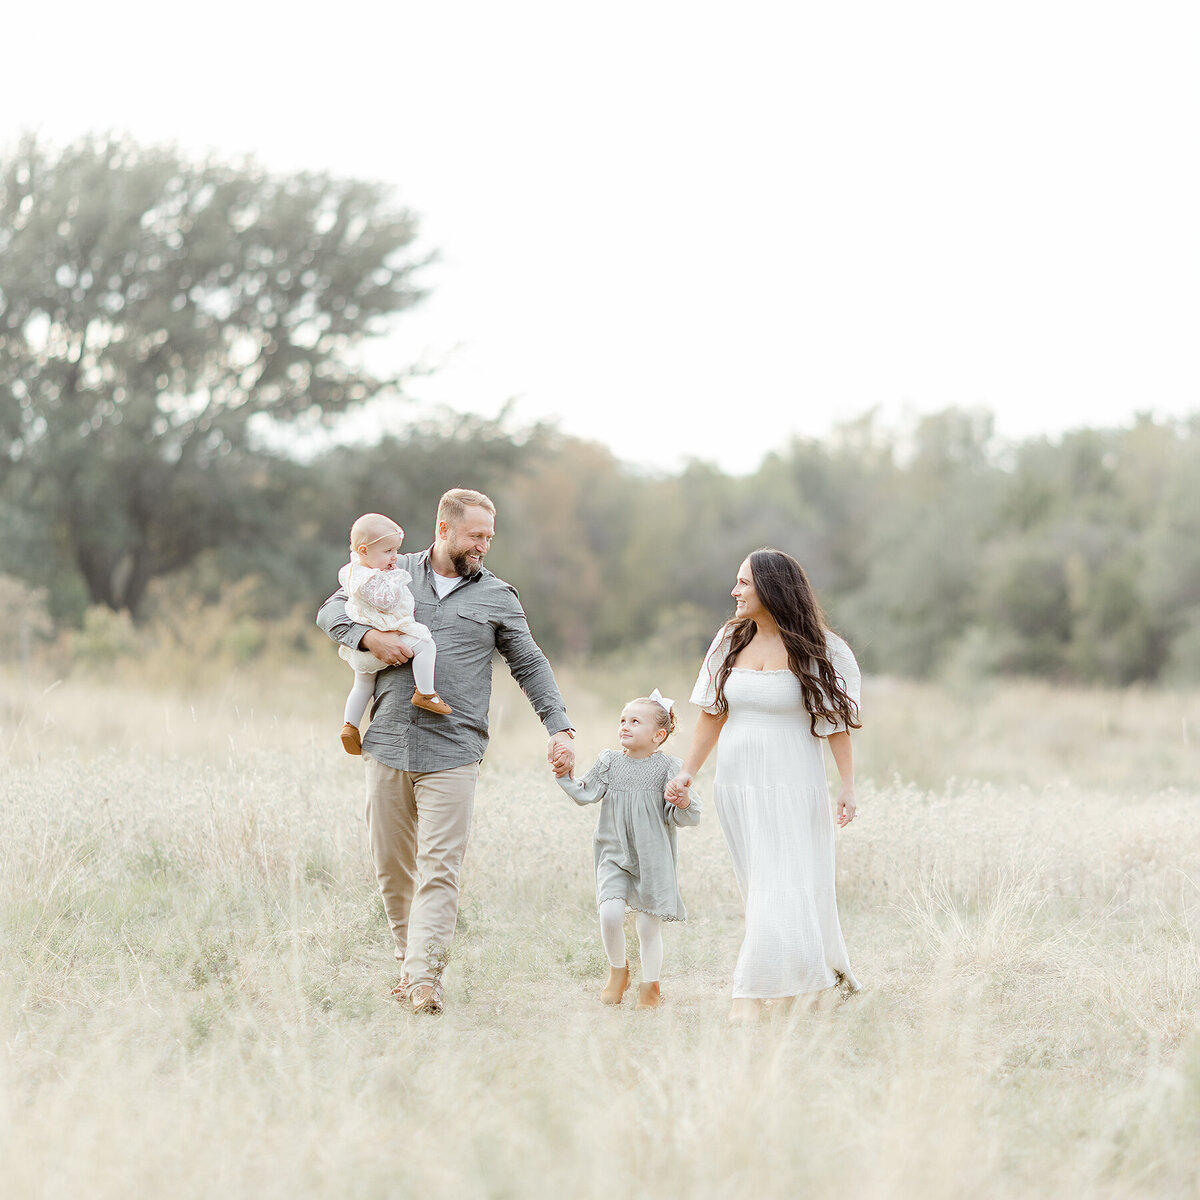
(377, 594)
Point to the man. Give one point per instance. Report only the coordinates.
(421, 766)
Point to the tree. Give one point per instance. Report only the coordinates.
(560, 525)
(156, 314)
(1171, 582)
(405, 478)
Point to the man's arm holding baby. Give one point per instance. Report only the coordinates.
(332, 618)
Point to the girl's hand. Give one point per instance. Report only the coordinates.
(677, 789)
(560, 756)
(684, 798)
(846, 806)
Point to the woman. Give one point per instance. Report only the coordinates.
(775, 685)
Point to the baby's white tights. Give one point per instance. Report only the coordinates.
(424, 662)
(360, 696)
(649, 932)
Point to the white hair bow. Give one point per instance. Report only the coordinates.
(659, 698)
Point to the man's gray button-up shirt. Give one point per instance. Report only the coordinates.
(479, 617)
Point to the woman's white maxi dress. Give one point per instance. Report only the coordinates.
(772, 802)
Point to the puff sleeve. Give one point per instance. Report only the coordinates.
(593, 786)
(846, 666)
(704, 694)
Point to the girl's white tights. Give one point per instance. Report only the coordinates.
(612, 930)
(423, 664)
(649, 932)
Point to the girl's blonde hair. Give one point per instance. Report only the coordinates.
(370, 528)
(664, 716)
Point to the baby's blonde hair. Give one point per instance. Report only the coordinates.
(370, 528)
(665, 717)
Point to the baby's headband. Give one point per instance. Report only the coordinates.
(663, 701)
(386, 534)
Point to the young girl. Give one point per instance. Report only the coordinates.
(377, 594)
(634, 843)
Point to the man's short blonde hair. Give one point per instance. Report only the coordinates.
(370, 528)
(454, 502)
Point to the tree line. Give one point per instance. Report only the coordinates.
(165, 323)
(935, 549)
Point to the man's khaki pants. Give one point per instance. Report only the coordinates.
(418, 823)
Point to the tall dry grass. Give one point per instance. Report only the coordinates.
(195, 963)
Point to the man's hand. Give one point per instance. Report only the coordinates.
(388, 647)
(560, 755)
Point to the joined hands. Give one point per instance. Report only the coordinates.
(560, 755)
(677, 790)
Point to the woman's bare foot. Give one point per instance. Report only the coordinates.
(744, 1011)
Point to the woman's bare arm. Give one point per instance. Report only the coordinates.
(704, 738)
(843, 756)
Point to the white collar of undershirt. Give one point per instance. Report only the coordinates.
(444, 585)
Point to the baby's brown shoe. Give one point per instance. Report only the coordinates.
(614, 989)
(431, 702)
(648, 995)
(350, 739)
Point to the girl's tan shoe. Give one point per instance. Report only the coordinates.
(431, 702)
(350, 739)
(614, 989)
(649, 995)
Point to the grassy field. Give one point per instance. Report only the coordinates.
(196, 966)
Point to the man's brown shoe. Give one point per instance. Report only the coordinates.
(614, 989)
(350, 739)
(648, 995)
(431, 702)
(425, 998)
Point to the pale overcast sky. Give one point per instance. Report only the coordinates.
(690, 229)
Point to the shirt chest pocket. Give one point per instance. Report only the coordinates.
(468, 627)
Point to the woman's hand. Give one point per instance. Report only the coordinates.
(676, 791)
(682, 799)
(842, 750)
(846, 806)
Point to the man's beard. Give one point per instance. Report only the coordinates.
(462, 565)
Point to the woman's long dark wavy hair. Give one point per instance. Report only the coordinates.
(784, 591)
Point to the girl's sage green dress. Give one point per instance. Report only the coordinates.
(634, 843)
